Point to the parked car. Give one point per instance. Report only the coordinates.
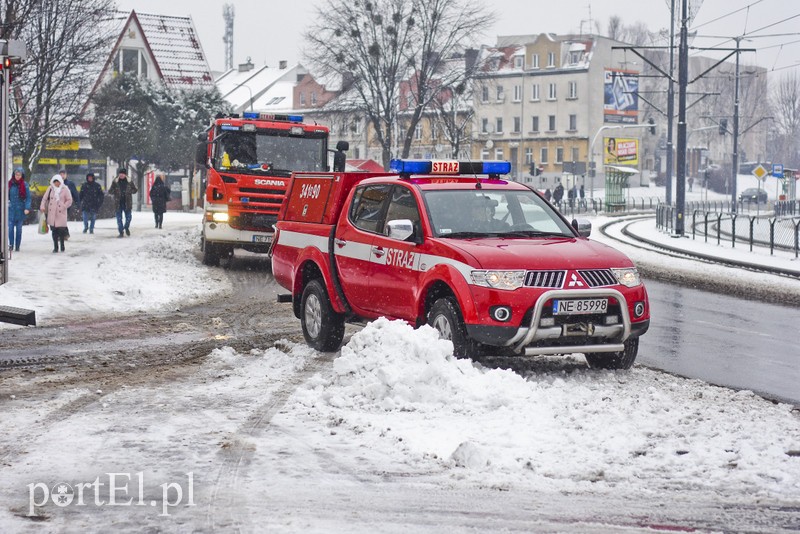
(753, 194)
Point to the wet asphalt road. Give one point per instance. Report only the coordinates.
(724, 340)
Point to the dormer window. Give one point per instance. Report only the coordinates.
(132, 62)
(551, 59)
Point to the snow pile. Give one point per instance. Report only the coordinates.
(401, 392)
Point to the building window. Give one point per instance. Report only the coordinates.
(484, 125)
(551, 91)
(302, 99)
(528, 155)
(517, 124)
(418, 132)
(560, 155)
(551, 123)
(574, 58)
(500, 95)
(551, 59)
(498, 153)
(484, 94)
(517, 93)
(498, 122)
(535, 61)
(535, 92)
(484, 154)
(535, 124)
(518, 61)
(576, 155)
(543, 156)
(313, 98)
(573, 123)
(573, 90)
(131, 61)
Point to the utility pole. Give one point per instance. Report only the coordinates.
(670, 101)
(683, 75)
(735, 171)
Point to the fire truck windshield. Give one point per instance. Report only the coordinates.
(273, 151)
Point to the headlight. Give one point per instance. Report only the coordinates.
(507, 280)
(627, 277)
(220, 217)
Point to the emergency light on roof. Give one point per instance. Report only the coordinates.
(426, 166)
(271, 116)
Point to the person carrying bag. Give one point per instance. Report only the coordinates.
(55, 203)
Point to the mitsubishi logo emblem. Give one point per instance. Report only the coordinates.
(574, 282)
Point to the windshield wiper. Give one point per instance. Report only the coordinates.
(533, 233)
(462, 235)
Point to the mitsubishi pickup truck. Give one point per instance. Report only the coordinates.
(487, 262)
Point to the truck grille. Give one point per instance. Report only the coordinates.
(599, 277)
(261, 191)
(254, 221)
(544, 278)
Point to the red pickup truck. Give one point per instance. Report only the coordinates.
(487, 262)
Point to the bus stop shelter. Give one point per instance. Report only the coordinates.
(616, 186)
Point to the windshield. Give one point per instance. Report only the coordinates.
(270, 150)
(487, 213)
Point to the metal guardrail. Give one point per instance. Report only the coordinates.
(597, 205)
(778, 228)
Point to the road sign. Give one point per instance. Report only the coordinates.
(777, 170)
(760, 172)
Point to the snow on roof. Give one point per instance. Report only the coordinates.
(267, 88)
(176, 48)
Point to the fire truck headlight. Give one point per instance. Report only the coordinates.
(627, 277)
(507, 280)
(221, 217)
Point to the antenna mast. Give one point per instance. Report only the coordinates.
(227, 14)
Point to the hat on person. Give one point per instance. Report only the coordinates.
(123, 170)
(56, 178)
(89, 174)
(62, 170)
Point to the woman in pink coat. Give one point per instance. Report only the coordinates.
(55, 202)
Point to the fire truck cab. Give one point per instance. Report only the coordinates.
(248, 163)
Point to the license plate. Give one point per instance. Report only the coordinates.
(262, 239)
(579, 306)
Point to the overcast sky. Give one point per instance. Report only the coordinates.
(269, 31)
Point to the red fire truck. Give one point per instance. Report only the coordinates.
(489, 263)
(249, 161)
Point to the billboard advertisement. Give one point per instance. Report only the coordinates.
(620, 96)
(620, 151)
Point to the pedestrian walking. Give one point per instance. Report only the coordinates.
(123, 192)
(582, 194)
(74, 211)
(571, 194)
(547, 194)
(19, 205)
(558, 194)
(690, 182)
(55, 203)
(159, 195)
(91, 196)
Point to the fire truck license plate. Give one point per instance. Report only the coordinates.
(262, 239)
(579, 306)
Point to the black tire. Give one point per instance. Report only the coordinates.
(210, 254)
(615, 360)
(445, 316)
(323, 328)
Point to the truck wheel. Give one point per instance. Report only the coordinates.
(445, 317)
(210, 254)
(615, 360)
(323, 328)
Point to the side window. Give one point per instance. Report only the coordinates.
(367, 208)
(403, 206)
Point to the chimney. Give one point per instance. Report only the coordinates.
(282, 64)
(244, 67)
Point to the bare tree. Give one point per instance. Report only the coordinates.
(385, 44)
(66, 40)
(453, 112)
(785, 103)
(13, 15)
(614, 30)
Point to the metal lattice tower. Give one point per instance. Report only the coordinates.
(227, 14)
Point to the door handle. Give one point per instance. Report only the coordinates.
(340, 242)
(378, 251)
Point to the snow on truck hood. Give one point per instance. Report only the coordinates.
(541, 253)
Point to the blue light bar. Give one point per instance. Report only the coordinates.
(420, 166)
(258, 115)
(229, 127)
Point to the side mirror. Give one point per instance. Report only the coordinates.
(582, 226)
(400, 229)
(201, 153)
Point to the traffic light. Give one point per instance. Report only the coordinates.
(723, 126)
(532, 170)
(652, 122)
(5, 65)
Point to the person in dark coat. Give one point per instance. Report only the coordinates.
(123, 192)
(159, 195)
(558, 194)
(19, 205)
(91, 200)
(73, 190)
(547, 194)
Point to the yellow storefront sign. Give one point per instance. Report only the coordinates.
(62, 144)
(65, 161)
(47, 161)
